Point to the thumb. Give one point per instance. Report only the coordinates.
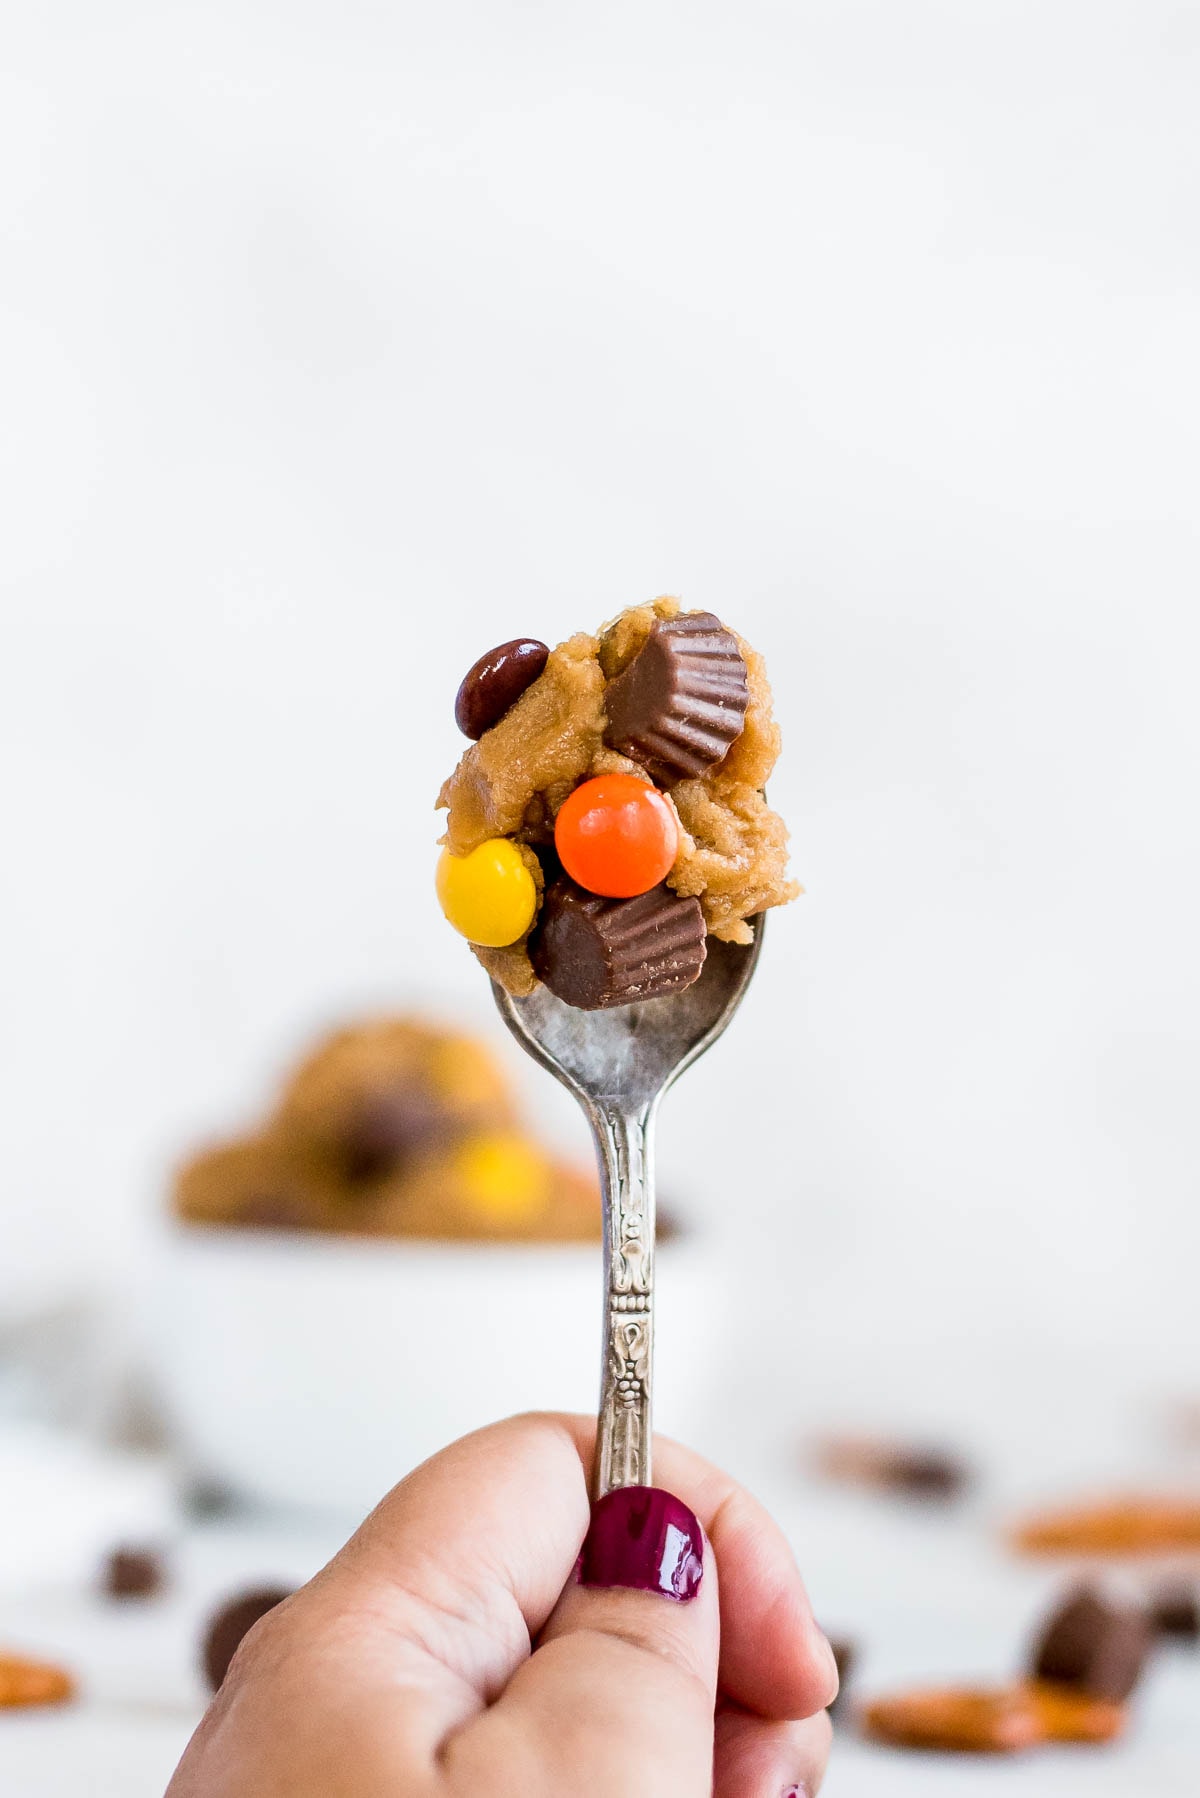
(623, 1679)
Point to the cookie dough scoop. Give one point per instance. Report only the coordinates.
(619, 1062)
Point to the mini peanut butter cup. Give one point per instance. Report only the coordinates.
(682, 701)
(1093, 1645)
(594, 953)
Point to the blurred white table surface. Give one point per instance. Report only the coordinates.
(927, 1593)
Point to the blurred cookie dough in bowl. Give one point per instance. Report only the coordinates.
(391, 1260)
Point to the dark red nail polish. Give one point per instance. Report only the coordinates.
(647, 1539)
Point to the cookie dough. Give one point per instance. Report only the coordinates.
(692, 715)
(392, 1128)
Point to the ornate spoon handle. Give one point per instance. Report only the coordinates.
(618, 1063)
(625, 1145)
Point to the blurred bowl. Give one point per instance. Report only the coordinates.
(315, 1371)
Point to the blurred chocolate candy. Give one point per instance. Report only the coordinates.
(1093, 1644)
(907, 1468)
(845, 1653)
(681, 702)
(1175, 1611)
(667, 1227)
(207, 1498)
(131, 1572)
(594, 953)
(233, 1621)
(495, 682)
(926, 1473)
(386, 1128)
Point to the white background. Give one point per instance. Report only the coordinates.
(338, 343)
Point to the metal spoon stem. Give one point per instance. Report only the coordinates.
(624, 1142)
(618, 1064)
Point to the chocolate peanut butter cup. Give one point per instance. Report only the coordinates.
(594, 953)
(682, 701)
(1094, 1645)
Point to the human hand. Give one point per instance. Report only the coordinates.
(450, 1651)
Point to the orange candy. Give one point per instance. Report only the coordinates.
(616, 836)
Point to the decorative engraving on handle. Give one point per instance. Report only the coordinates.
(623, 1437)
(618, 1063)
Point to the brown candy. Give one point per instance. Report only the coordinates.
(1175, 1612)
(845, 1654)
(1093, 1646)
(25, 1682)
(134, 1573)
(385, 1129)
(595, 953)
(495, 682)
(234, 1621)
(957, 1720)
(909, 1469)
(681, 703)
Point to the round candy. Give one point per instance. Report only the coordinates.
(235, 1619)
(617, 836)
(504, 1180)
(489, 896)
(496, 682)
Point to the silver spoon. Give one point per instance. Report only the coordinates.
(618, 1064)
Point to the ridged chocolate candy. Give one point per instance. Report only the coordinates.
(1094, 1645)
(682, 700)
(595, 953)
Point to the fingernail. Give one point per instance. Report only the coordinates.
(642, 1537)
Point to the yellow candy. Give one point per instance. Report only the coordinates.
(504, 1179)
(489, 896)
